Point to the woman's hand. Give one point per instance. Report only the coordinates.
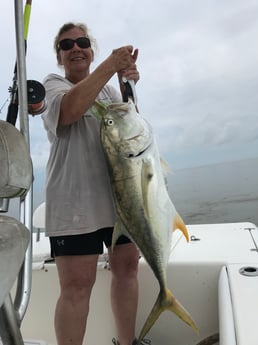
(131, 72)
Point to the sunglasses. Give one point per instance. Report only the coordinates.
(68, 43)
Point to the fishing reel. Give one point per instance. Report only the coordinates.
(36, 97)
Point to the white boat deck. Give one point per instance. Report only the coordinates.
(193, 275)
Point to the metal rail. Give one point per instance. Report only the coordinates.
(12, 313)
(24, 281)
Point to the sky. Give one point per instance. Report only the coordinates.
(198, 62)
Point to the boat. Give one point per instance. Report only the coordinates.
(215, 275)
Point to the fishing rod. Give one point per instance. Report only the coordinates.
(35, 90)
(13, 106)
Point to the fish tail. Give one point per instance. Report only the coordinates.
(179, 224)
(166, 301)
(176, 307)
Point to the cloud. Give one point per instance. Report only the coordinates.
(198, 65)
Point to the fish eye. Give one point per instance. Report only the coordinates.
(109, 122)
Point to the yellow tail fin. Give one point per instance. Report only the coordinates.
(179, 224)
(166, 301)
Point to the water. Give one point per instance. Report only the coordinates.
(226, 192)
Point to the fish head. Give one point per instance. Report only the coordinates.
(124, 131)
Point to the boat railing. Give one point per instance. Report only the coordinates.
(12, 311)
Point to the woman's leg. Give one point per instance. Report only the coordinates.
(77, 276)
(124, 290)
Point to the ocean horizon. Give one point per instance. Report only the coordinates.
(217, 193)
(209, 194)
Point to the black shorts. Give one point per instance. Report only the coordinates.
(85, 244)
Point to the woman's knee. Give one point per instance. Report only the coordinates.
(124, 261)
(76, 278)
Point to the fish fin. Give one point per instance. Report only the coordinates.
(119, 230)
(146, 177)
(179, 224)
(164, 166)
(166, 301)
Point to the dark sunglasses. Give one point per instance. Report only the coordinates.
(68, 43)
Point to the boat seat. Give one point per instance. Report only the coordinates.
(14, 239)
(15, 162)
(15, 181)
(238, 304)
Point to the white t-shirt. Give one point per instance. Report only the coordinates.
(78, 191)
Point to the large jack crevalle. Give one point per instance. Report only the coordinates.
(144, 209)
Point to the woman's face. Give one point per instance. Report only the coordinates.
(76, 60)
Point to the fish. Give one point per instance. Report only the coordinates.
(145, 212)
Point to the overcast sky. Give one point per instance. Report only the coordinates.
(198, 62)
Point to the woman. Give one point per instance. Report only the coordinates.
(79, 208)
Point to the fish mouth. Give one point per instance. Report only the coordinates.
(132, 155)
